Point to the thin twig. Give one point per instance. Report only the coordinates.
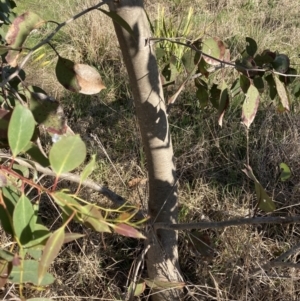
(50, 36)
(283, 264)
(141, 258)
(229, 223)
(234, 65)
(278, 261)
(114, 197)
(288, 253)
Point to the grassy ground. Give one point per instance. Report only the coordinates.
(209, 159)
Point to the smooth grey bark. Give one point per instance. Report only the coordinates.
(140, 61)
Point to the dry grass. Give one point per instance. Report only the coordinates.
(209, 160)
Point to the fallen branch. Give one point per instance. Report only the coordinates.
(229, 223)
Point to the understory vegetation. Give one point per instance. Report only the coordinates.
(209, 158)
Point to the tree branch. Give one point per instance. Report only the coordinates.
(50, 36)
(114, 197)
(234, 222)
(222, 63)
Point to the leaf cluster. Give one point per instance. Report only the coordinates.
(25, 113)
(254, 75)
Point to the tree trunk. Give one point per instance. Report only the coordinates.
(140, 61)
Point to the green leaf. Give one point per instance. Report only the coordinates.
(250, 106)
(259, 84)
(34, 253)
(88, 169)
(22, 170)
(119, 20)
(4, 49)
(46, 110)
(235, 88)
(39, 235)
(251, 47)
(28, 272)
(281, 63)
(203, 67)
(272, 86)
(35, 153)
(139, 288)
(244, 83)
(215, 48)
(7, 15)
(6, 255)
(224, 101)
(18, 32)
(296, 89)
(20, 129)
(72, 236)
(10, 197)
(188, 60)
(282, 92)
(169, 73)
(265, 203)
(93, 218)
(285, 172)
(214, 96)
(202, 95)
(23, 214)
(265, 59)
(66, 75)
(67, 154)
(51, 250)
(67, 204)
(245, 65)
(159, 53)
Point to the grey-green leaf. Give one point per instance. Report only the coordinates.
(23, 214)
(20, 129)
(251, 47)
(265, 202)
(89, 168)
(6, 255)
(51, 250)
(67, 154)
(28, 272)
(223, 104)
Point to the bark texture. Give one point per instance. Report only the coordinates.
(140, 61)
